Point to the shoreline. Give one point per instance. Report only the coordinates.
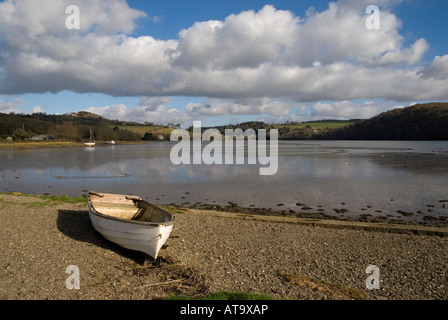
(236, 210)
(36, 144)
(53, 144)
(333, 223)
(233, 208)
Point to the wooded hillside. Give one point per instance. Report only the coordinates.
(418, 122)
(67, 127)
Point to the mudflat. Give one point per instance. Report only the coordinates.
(209, 252)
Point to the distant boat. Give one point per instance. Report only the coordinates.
(109, 142)
(130, 221)
(91, 143)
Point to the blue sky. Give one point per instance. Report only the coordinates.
(177, 15)
(222, 61)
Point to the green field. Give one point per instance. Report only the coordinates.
(315, 125)
(318, 125)
(141, 130)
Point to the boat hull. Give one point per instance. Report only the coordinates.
(144, 236)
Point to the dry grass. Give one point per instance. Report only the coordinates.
(40, 144)
(175, 278)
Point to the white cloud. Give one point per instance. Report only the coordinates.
(30, 19)
(116, 111)
(244, 40)
(438, 69)
(218, 107)
(156, 19)
(156, 109)
(409, 56)
(151, 109)
(346, 110)
(37, 109)
(8, 106)
(263, 62)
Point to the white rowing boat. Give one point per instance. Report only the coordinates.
(130, 221)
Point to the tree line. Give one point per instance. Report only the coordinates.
(69, 127)
(418, 122)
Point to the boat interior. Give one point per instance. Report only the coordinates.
(128, 207)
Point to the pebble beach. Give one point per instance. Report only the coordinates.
(210, 252)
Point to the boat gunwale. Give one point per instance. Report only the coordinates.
(143, 223)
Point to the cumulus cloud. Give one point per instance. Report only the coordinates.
(218, 107)
(250, 39)
(8, 106)
(346, 110)
(37, 109)
(115, 111)
(152, 109)
(30, 19)
(437, 69)
(244, 40)
(252, 62)
(339, 110)
(157, 110)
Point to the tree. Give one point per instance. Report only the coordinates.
(20, 134)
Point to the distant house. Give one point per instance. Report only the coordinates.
(40, 137)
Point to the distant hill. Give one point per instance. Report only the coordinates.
(418, 122)
(290, 130)
(73, 126)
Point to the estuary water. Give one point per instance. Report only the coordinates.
(405, 180)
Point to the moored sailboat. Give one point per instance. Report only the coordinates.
(91, 143)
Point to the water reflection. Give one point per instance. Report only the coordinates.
(364, 177)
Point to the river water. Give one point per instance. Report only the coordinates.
(405, 180)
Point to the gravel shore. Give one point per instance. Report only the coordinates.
(208, 253)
